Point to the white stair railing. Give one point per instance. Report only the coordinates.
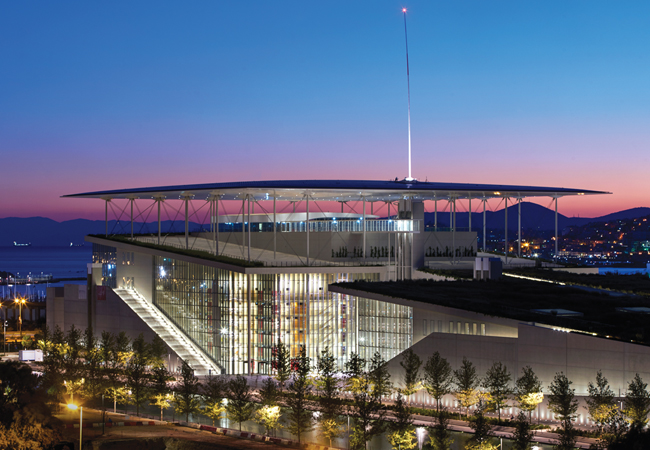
(168, 332)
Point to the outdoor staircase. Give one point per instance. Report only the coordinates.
(173, 337)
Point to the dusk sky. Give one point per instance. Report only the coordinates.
(108, 95)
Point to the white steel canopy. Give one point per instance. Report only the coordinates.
(336, 190)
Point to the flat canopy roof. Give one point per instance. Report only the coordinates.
(336, 190)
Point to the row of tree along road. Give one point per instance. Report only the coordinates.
(301, 396)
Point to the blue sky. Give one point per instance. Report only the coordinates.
(98, 96)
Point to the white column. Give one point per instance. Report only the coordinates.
(187, 223)
(159, 200)
(216, 224)
(307, 225)
(363, 250)
(556, 236)
(435, 214)
(275, 225)
(519, 226)
(470, 213)
(106, 215)
(484, 224)
(132, 200)
(248, 220)
(243, 226)
(506, 231)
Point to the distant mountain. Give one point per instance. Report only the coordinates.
(43, 232)
(533, 217)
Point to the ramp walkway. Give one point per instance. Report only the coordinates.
(173, 337)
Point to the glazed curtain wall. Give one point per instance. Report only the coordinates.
(384, 327)
(238, 319)
(107, 257)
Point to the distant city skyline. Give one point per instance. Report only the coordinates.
(109, 96)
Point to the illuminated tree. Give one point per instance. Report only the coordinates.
(601, 402)
(528, 391)
(637, 403)
(562, 402)
(269, 416)
(329, 422)
(497, 383)
(411, 364)
(186, 399)
(439, 435)
(300, 416)
(213, 393)
(401, 431)
(437, 377)
(240, 406)
(466, 382)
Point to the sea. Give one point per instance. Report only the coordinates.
(60, 262)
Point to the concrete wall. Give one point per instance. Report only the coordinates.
(65, 306)
(547, 351)
(139, 267)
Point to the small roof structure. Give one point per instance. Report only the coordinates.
(337, 190)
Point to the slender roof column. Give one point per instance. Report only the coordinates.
(506, 231)
(307, 225)
(484, 224)
(187, 222)
(106, 214)
(363, 250)
(470, 213)
(132, 200)
(519, 226)
(275, 227)
(556, 236)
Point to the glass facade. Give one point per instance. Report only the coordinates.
(384, 327)
(107, 257)
(238, 319)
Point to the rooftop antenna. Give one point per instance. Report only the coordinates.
(408, 83)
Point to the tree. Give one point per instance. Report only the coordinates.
(240, 406)
(439, 435)
(528, 391)
(402, 432)
(562, 402)
(25, 420)
(523, 435)
(481, 439)
(93, 374)
(300, 417)
(366, 398)
(601, 402)
(186, 393)
(466, 382)
(161, 396)
(497, 383)
(269, 416)
(282, 364)
(379, 376)
(137, 378)
(213, 392)
(328, 400)
(115, 353)
(411, 364)
(637, 403)
(437, 377)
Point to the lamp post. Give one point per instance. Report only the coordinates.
(21, 302)
(74, 407)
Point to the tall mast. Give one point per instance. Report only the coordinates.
(408, 84)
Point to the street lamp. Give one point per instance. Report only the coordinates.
(21, 302)
(74, 407)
